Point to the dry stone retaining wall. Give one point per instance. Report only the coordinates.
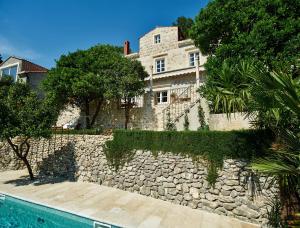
(166, 176)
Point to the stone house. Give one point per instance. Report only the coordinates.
(23, 70)
(176, 70)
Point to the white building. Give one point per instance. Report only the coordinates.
(23, 70)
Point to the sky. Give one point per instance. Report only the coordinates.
(43, 30)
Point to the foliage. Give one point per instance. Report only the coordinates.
(235, 30)
(126, 82)
(1, 59)
(201, 117)
(186, 123)
(274, 213)
(212, 146)
(170, 126)
(272, 100)
(24, 116)
(184, 24)
(227, 89)
(82, 77)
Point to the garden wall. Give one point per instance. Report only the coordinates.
(166, 176)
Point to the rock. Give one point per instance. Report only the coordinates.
(233, 194)
(196, 185)
(161, 190)
(229, 206)
(185, 188)
(212, 205)
(194, 192)
(171, 191)
(225, 193)
(232, 182)
(225, 199)
(187, 196)
(179, 187)
(145, 191)
(169, 185)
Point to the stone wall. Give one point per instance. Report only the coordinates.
(167, 176)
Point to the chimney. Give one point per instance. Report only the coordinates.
(126, 47)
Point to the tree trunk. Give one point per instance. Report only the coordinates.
(99, 104)
(22, 154)
(87, 114)
(127, 110)
(24, 159)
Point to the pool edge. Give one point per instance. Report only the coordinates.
(61, 209)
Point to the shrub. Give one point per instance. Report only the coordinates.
(213, 146)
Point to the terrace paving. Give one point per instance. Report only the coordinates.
(111, 205)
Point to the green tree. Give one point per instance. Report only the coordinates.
(1, 59)
(184, 24)
(273, 102)
(265, 30)
(81, 78)
(126, 83)
(24, 116)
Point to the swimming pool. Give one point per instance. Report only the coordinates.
(16, 213)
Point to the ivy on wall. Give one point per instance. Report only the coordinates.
(211, 146)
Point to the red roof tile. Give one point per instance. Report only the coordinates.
(29, 67)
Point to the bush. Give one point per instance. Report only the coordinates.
(213, 146)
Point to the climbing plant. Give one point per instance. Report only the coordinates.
(209, 146)
(201, 117)
(186, 124)
(170, 126)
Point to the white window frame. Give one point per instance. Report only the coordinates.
(159, 97)
(157, 39)
(160, 65)
(193, 58)
(10, 66)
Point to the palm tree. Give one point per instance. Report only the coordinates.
(276, 94)
(228, 92)
(272, 99)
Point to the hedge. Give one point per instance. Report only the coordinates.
(214, 146)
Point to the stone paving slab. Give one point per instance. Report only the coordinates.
(112, 205)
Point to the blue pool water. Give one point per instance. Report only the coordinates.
(15, 213)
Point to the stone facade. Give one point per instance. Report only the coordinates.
(166, 176)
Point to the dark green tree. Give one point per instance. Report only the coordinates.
(265, 30)
(24, 116)
(184, 24)
(81, 78)
(126, 84)
(1, 59)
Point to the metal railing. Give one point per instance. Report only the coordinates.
(182, 100)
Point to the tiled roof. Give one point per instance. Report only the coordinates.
(27, 66)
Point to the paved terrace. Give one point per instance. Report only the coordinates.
(111, 205)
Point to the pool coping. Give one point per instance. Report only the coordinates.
(60, 209)
(113, 206)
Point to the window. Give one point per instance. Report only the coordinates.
(160, 65)
(10, 71)
(162, 97)
(193, 58)
(157, 39)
